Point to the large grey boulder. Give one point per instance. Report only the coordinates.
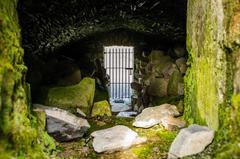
(153, 115)
(62, 125)
(115, 139)
(191, 140)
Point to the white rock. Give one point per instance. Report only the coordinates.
(153, 115)
(114, 139)
(191, 140)
(80, 112)
(127, 114)
(62, 125)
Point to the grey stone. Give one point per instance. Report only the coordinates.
(170, 123)
(115, 139)
(62, 125)
(154, 115)
(191, 140)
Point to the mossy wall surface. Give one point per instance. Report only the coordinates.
(212, 81)
(205, 82)
(18, 127)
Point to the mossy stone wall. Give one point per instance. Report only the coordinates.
(212, 81)
(18, 127)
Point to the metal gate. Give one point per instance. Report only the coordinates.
(118, 62)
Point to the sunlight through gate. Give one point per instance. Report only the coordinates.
(118, 62)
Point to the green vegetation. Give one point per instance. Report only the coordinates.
(80, 96)
(20, 135)
(101, 108)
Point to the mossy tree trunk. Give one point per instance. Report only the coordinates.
(18, 127)
(212, 83)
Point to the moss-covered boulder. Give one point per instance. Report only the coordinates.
(80, 96)
(101, 108)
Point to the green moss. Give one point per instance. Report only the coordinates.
(157, 145)
(19, 136)
(101, 108)
(75, 96)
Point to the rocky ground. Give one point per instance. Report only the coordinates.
(157, 145)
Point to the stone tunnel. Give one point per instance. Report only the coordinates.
(151, 73)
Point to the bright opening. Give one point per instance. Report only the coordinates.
(119, 64)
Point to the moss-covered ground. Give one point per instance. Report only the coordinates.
(157, 145)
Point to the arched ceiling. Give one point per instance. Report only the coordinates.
(50, 24)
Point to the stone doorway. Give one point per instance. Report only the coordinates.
(119, 64)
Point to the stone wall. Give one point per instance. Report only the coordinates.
(212, 83)
(158, 77)
(20, 134)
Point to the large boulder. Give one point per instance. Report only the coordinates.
(115, 139)
(62, 125)
(154, 115)
(191, 140)
(101, 108)
(158, 87)
(80, 96)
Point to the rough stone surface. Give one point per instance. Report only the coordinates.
(169, 123)
(191, 140)
(153, 115)
(62, 125)
(158, 87)
(172, 88)
(115, 139)
(181, 64)
(101, 108)
(21, 134)
(76, 96)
